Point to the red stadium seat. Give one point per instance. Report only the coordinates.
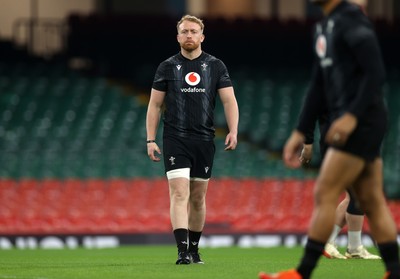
(142, 205)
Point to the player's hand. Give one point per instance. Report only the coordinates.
(230, 142)
(341, 129)
(292, 149)
(306, 154)
(152, 147)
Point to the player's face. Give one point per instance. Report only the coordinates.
(190, 35)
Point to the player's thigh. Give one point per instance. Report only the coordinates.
(369, 186)
(177, 154)
(339, 170)
(203, 160)
(179, 188)
(198, 189)
(199, 186)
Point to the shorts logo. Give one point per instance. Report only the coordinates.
(320, 46)
(172, 160)
(192, 78)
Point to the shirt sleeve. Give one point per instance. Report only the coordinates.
(224, 78)
(160, 81)
(313, 106)
(364, 44)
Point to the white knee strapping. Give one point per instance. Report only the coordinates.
(184, 173)
(199, 179)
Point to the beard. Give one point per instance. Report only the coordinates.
(189, 47)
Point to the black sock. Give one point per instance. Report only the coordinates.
(194, 239)
(181, 238)
(390, 256)
(312, 253)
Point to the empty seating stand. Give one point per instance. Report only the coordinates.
(30, 206)
(73, 159)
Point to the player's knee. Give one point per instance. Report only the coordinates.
(197, 203)
(355, 208)
(324, 193)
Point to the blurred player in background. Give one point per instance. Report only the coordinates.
(347, 83)
(347, 212)
(187, 84)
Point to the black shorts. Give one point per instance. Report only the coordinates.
(366, 140)
(197, 155)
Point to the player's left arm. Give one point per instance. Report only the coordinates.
(365, 47)
(231, 109)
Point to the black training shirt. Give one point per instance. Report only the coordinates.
(348, 72)
(191, 89)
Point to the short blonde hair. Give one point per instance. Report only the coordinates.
(192, 19)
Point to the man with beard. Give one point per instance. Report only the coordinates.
(187, 84)
(347, 83)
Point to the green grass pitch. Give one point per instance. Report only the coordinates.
(152, 262)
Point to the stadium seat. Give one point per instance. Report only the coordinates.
(72, 152)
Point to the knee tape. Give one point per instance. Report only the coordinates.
(353, 208)
(183, 173)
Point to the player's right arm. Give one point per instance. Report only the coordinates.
(292, 149)
(306, 154)
(152, 121)
(313, 106)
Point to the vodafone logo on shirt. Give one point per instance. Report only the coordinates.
(321, 50)
(192, 78)
(320, 46)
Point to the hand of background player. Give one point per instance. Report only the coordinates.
(230, 142)
(306, 154)
(292, 149)
(151, 148)
(341, 129)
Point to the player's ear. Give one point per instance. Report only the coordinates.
(202, 37)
